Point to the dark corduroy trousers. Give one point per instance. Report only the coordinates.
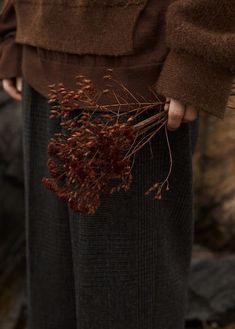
(127, 266)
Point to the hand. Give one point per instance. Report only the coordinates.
(13, 87)
(178, 113)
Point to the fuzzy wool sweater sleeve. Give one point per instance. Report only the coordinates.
(200, 66)
(10, 51)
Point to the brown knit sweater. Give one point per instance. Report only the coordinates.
(184, 48)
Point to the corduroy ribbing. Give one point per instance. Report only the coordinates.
(88, 27)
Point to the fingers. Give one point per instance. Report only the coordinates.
(178, 113)
(175, 114)
(190, 114)
(10, 87)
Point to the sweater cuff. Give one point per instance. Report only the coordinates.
(10, 59)
(195, 82)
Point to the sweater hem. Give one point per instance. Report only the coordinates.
(138, 78)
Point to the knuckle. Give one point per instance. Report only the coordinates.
(176, 115)
(7, 88)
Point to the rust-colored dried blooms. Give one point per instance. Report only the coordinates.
(94, 152)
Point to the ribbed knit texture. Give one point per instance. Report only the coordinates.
(127, 266)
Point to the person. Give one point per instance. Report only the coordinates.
(128, 265)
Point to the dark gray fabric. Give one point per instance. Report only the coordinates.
(127, 266)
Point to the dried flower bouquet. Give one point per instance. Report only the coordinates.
(95, 151)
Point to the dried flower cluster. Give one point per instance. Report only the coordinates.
(95, 151)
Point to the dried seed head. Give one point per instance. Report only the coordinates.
(94, 154)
